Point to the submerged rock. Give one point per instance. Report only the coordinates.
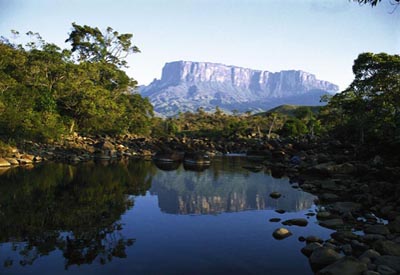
(281, 233)
(275, 220)
(275, 195)
(298, 222)
(280, 211)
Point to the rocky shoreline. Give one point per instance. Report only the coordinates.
(358, 196)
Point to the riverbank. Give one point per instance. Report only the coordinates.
(358, 193)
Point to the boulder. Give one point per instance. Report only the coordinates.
(345, 266)
(346, 206)
(386, 270)
(391, 261)
(309, 248)
(394, 226)
(377, 229)
(326, 168)
(281, 233)
(23, 161)
(329, 197)
(331, 223)
(344, 236)
(387, 247)
(345, 168)
(4, 163)
(12, 161)
(370, 254)
(322, 257)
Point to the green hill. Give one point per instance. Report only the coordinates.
(288, 110)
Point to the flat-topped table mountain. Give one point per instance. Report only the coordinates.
(187, 86)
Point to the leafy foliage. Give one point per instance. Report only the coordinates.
(45, 91)
(369, 109)
(374, 2)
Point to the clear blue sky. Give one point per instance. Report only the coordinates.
(319, 36)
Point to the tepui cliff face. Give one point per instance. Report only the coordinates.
(186, 86)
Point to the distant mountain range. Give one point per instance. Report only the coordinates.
(186, 86)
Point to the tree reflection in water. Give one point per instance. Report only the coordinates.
(74, 209)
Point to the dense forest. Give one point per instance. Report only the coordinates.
(47, 92)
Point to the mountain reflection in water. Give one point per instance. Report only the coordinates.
(224, 188)
(77, 210)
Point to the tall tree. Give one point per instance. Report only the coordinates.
(370, 107)
(92, 45)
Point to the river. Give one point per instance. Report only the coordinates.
(136, 217)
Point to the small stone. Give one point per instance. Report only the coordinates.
(313, 239)
(281, 233)
(275, 220)
(298, 222)
(275, 195)
(323, 215)
(280, 211)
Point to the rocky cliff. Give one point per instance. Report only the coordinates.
(186, 86)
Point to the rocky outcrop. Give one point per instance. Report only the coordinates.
(186, 86)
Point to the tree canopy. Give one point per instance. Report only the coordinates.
(46, 91)
(369, 109)
(374, 2)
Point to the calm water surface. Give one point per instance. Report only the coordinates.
(135, 217)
